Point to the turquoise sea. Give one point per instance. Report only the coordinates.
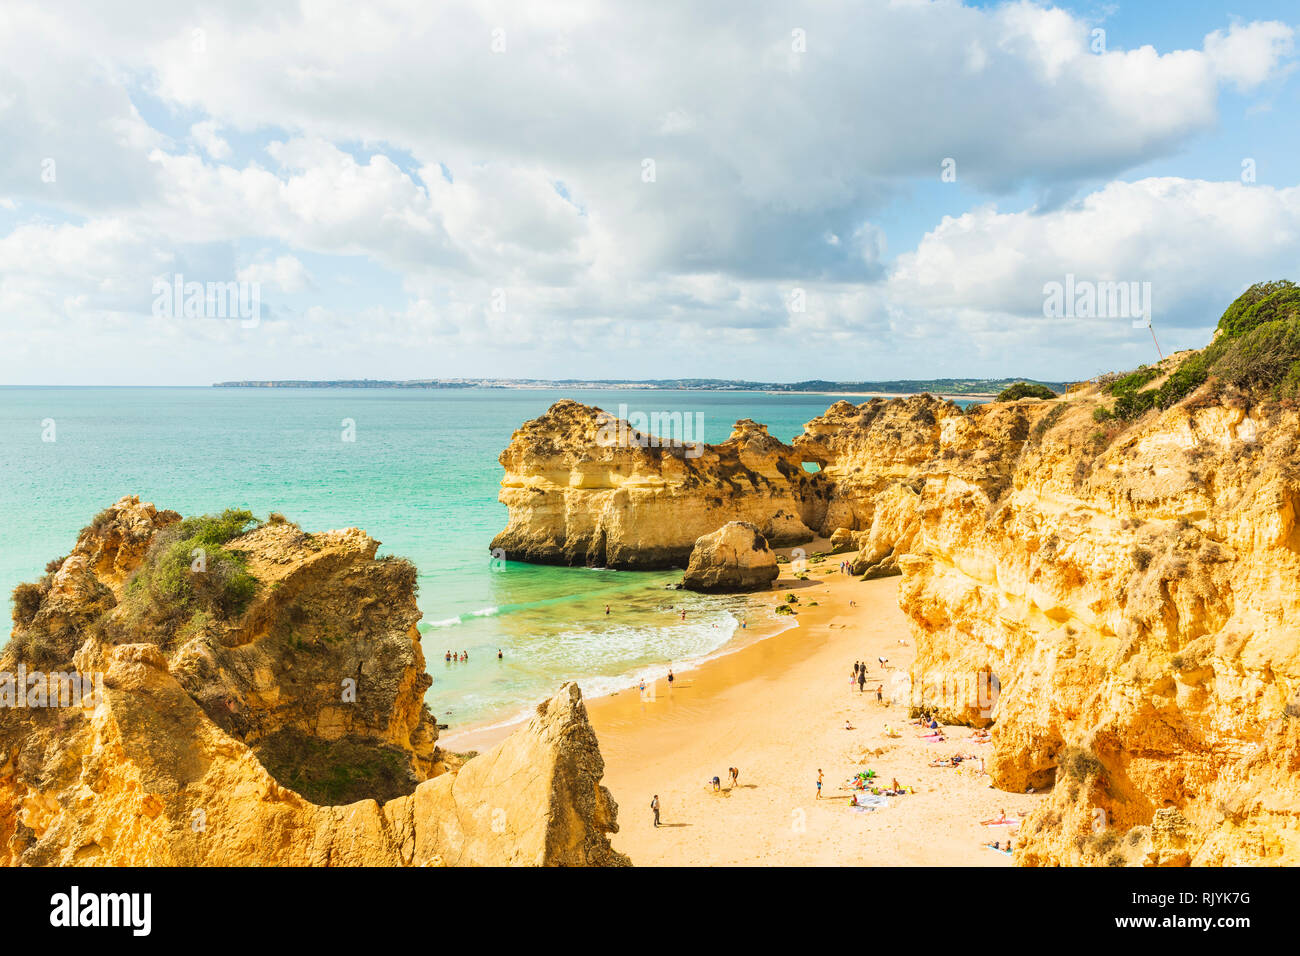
(421, 476)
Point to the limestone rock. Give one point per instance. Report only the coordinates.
(1118, 604)
(586, 488)
(734, 558)
(210, 730)
(843, 540)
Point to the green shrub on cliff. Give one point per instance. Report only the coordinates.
(1262, 302)
(1133, 381)
(1024, 390)
(1257, 348)
(188, 573)
(1266, 357)
(1187, 378)
(217, 529)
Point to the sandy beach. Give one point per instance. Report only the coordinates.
(777, 710)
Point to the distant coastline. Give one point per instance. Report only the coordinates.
(947, 387)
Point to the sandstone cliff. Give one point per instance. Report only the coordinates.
(577, 497)
(1110, 580)
(261, 703)
(1134, 596)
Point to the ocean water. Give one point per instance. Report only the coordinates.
(421, 476)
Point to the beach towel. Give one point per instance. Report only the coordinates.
(997, 850)
(869, 802)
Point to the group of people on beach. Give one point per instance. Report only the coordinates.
(859, 677)
(451, 657)
(733, 774)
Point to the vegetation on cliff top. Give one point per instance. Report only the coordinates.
(1256, 349)
(188, 573)
(1024, 390)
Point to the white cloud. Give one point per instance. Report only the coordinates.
(1250, 53)
(1191, 239)
(772, 167)
(286, 273)
(209, 139)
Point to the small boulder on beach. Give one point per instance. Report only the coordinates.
(734, 558)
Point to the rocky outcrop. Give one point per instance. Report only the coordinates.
(734, 558)
(1134, 600)
(585, 488)
(1115, 597)
(255, 697)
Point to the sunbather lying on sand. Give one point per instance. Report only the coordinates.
(1000, 820)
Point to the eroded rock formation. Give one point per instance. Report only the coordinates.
(261, 703)
(581, 492)
(734, 558)
(1118, 599)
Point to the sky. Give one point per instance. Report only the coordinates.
(841, 189)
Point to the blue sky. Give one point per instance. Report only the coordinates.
(464, 192)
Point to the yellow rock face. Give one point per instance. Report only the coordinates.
(1137, 604)
(1120, 604)
(204, 731)
(584, 488)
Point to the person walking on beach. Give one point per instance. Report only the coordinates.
(670, 678)
(733, 774)
(879, 695)
(862, 680)
(819, 784)
(654, 805)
